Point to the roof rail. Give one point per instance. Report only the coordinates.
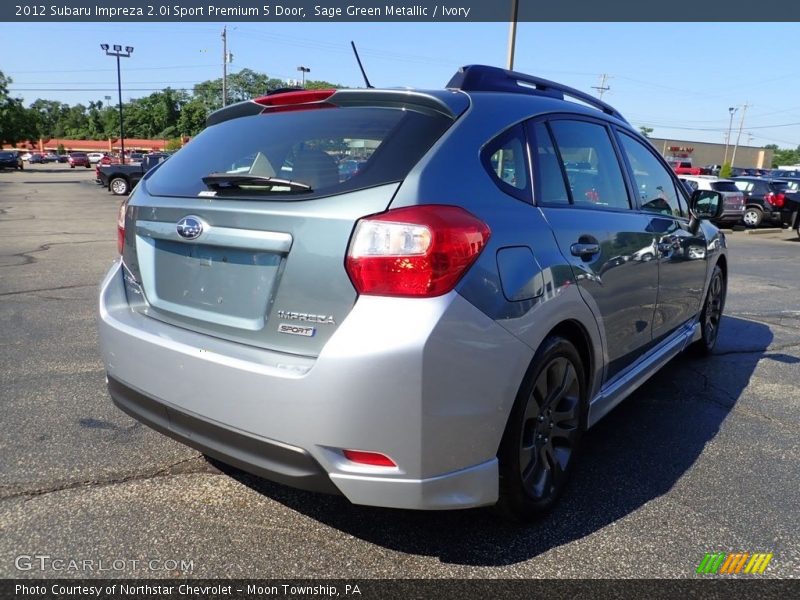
(482, 78)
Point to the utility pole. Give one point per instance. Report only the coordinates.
(738, 137)
(512, 34)
(732, 110)
(602, 88)
(224, 66)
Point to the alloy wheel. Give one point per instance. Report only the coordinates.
(713, 311)
(551, 428)
(118, 186)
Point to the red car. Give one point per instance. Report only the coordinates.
(79, 159)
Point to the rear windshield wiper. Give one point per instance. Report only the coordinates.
(226, 181)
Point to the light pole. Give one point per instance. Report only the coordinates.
(304, 70)
(117, 51)
(732, 110)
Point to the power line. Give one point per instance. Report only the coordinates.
(114, 70)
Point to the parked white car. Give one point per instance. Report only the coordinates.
(732, 195)
(95, 157)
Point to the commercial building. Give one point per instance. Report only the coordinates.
(704, 153)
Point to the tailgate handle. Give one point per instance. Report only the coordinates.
(251, 239)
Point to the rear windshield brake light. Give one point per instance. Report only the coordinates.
(298, 97)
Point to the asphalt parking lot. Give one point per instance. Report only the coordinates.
(703, 458)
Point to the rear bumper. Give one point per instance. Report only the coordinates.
(271, 460)
(431, 387)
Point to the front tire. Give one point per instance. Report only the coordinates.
(753, 216)
(118, 186)
(711, 317)
(543, 433)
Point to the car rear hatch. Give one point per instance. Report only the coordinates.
(243, 233)
(733, 199)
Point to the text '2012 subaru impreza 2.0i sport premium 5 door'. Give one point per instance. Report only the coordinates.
(432, 331)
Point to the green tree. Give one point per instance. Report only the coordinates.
(645, 131)
(50, 116)
(192, 118)
(322, 85)
(725, 170)
(17, 123)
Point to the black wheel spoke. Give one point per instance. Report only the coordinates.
(566, 433)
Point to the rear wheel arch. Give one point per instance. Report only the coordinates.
(722, 262)
(576, 334)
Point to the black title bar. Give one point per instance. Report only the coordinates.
(143, 11)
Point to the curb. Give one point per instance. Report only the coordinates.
(762, 231)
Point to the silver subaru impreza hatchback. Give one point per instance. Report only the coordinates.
(416, 299)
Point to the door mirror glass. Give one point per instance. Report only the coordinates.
(707, 204)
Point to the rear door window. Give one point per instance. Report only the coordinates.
(330, 151)
(591, 165)
(548, 179)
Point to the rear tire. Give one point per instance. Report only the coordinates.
(543, 433)
(72, 166)
(711, 317)
(753, 216)
(118, 186)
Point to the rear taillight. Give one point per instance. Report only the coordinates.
(123, 207)
(419, 251)
(776, 200)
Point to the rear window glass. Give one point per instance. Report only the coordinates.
(330, 150)
(724, 186)
(779, 186)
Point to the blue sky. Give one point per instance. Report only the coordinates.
(679, 78)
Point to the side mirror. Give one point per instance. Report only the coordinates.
(707, 204)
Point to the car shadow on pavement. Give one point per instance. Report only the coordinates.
(635, 454)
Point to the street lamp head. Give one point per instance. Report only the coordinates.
(129, 49)
(732, 109)
(117, 48)
(104, 47)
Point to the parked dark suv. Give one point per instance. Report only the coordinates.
(433, 331)
(770, 201)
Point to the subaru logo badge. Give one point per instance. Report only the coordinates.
(190, 228)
